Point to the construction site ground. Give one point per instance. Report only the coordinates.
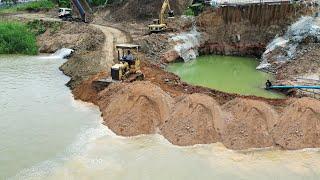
(162, 103)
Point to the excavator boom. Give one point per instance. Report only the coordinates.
(165, 5)
(80, 9)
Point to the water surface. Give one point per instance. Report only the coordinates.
(38, 116)
(225, 73)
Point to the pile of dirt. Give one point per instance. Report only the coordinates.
(142, 10)
(188, 115)
(137, 108)
(248, 124)
(194, 120)
(82, 65)
(154, 46)
(306, 62)
(86, 91)
(77, 36)
(299, 125)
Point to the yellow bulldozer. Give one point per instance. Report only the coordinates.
(159, 25)
(127, 69)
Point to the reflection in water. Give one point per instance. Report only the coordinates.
(42, 123)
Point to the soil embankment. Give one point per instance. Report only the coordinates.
(186, 119)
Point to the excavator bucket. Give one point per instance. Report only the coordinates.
(171, 14)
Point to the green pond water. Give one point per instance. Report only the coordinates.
(225, 73)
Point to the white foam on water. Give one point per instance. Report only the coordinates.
(59, 54)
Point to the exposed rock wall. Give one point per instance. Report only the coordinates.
(245, 30)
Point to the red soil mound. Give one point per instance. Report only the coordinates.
(248, 124)
(136, 108)
(299, 125)
(193, 120)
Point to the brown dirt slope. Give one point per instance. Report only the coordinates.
(138, 108)
(247, 124)
(299, 125)
(142, 10)
(193, 120)
(77, 36)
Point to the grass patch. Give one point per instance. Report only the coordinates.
(16, 38)
(41, 5)
(188, 12)
(36, 6)
(39, 27)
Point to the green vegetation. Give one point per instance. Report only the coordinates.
(31, 6)
(36, 6)
(189, 12)
(16, 38)
(194, 10)
(39, 27)
(64, 3)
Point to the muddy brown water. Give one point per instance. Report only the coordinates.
(45, 134)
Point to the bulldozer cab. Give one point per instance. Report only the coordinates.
(129, 53)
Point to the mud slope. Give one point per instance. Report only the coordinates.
(135, 109)
(142, 10)
(299, 125)
(247, 124)
(193, 121)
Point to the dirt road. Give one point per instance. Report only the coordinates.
(113, 37)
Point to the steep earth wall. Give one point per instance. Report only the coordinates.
(245, 30)
(142, 10)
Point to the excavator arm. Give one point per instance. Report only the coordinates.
(165, 5)
(80, 9)
(83, 8)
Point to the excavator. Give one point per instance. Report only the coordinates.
(159, 25)
(126, 70)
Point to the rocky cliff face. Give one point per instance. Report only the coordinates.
(245, 30)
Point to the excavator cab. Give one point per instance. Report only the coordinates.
(129, 63)
(170, 13)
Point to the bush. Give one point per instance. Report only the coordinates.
(98, 2)
(39, 27)
(36, 6)
(15, 38)
(189, 12)
(64, 3)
